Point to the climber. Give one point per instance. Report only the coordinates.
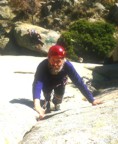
(51, 75)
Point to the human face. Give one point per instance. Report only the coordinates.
(56, 62)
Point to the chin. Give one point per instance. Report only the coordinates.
(55, 71)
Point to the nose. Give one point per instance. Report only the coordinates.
(55, 64)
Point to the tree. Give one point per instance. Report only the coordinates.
(88, 40)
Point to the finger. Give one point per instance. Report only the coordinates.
(41, 117)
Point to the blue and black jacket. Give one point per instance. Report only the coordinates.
(43, 78)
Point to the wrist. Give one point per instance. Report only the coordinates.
(37, 105)
(92, 100)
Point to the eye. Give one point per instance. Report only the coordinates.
(58, 61)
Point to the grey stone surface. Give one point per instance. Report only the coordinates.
(77, 122)
(24, 40)
(80, 124)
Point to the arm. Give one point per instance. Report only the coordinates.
(38, 108)
(36, 90)
(37, 87)
(77, 80)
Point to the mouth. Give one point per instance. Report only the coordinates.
(55, 69)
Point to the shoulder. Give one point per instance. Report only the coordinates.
(70, 68)
(68, 64)
(44, 62)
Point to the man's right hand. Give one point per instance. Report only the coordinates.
(39, 109)
(41, 113)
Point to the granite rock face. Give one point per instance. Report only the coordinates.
(77, 122)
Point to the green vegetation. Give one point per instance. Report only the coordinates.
(88, 40)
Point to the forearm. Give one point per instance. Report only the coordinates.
(39, 109)
(85, 91)
(77, 80)
(37, 105)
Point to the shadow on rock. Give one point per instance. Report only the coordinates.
(105, 76)
(26, 102)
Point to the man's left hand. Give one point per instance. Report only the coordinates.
(96, 102)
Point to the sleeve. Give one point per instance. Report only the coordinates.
(77, 81)
(37, 87)
(37, 83)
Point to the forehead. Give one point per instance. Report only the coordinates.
(54, 58)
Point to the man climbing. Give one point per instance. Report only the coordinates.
(51, 75)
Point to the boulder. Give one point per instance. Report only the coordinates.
(6, 13)
(114, 53)
(77, 122)
(113, 13)
(3, 43)
(23, 38)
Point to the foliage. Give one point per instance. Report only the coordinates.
(87, 40)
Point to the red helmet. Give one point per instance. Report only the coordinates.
(57, 50)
